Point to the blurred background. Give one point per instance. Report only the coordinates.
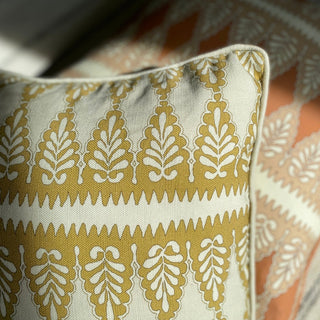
(36, 34)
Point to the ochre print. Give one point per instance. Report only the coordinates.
(95, 207)
(105, 261)
(109, 167)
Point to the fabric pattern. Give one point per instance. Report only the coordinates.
(288, 219)
(115, 204)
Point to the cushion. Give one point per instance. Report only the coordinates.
(131, 196)
(287, 180)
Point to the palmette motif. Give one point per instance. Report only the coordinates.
(107, 262)
(10, 272)
(108, 161)
(112, 175)
(48, 267)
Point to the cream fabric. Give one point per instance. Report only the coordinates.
(130, 197)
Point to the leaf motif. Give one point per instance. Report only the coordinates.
(10, 269)
(120, 89)
(242, 30)
(7, 271)
(49, 269)
(33, 90)
(15, 168)
(57, 160)
(106, 268)
(209, 71)
(162, 277)
(210, 258)
(109, 157)
(253, 62)
(308, 84)
(14, 155)
(242, 250)
(76, 91)
(166, 154)
(165, 80)
(210, 264)
(106, 276)
(13, 146)
(108, 160)
(264, 232)
(275, 135)
(58, 151)
(283, 51)
(287, 265)
(163, 156)
(217, 147)
(50, 279)
(305, 165)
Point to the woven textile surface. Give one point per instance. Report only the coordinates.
(130, 197)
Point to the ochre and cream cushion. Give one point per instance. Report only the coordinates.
(130, 198)
(288, 175)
